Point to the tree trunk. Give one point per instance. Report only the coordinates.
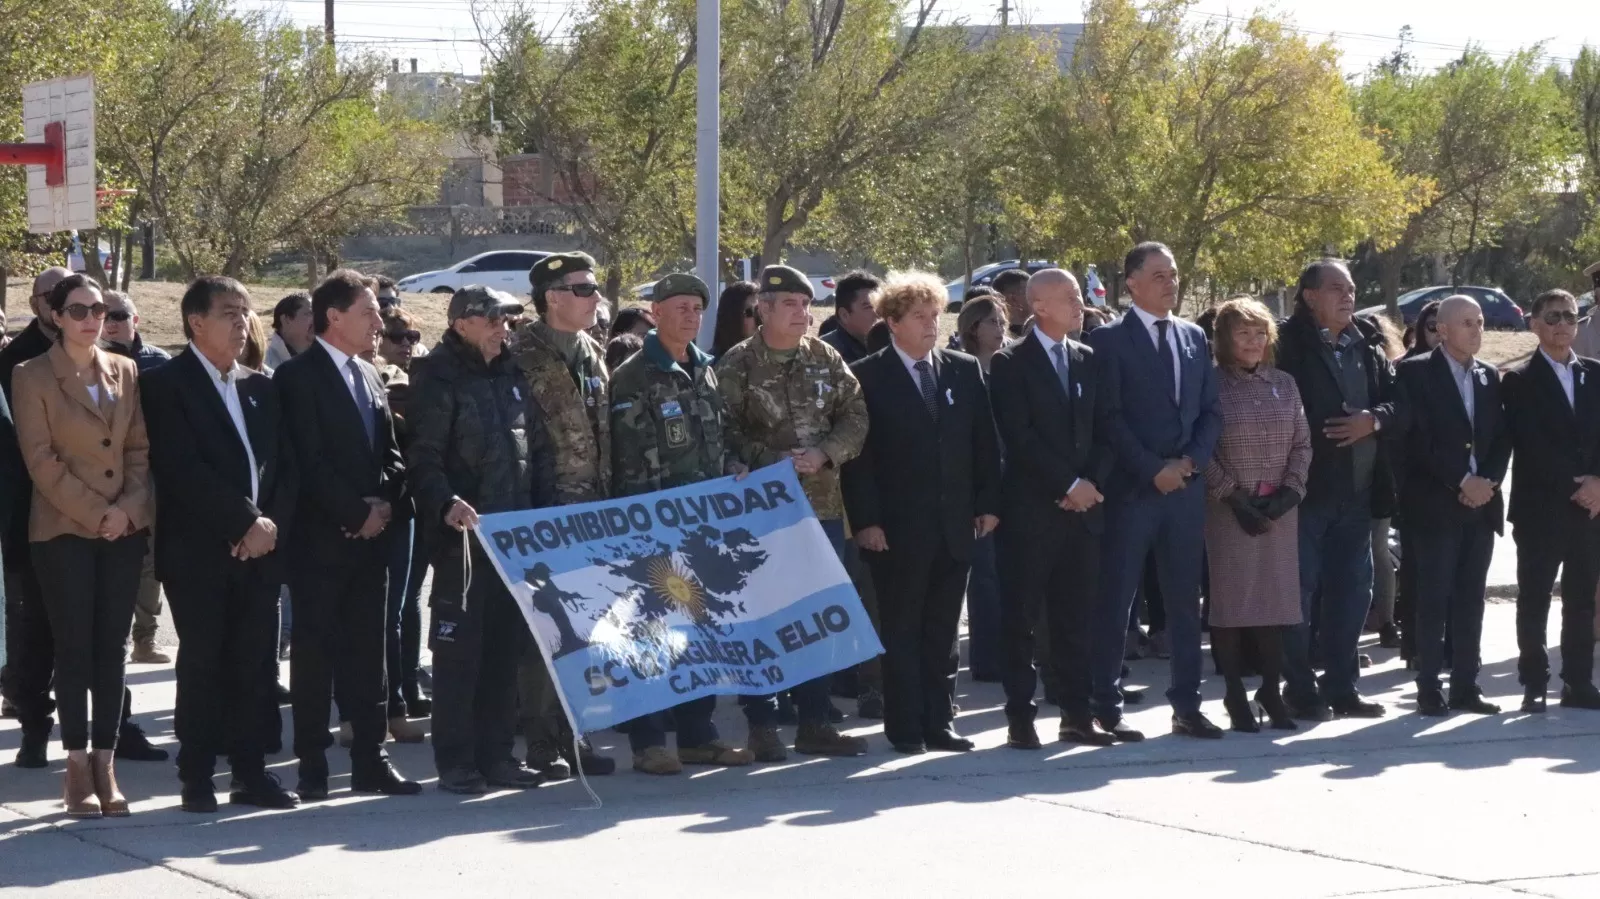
(313, 267)
(614, 286)
(92, 266)
(5, 274)
(1390, 263)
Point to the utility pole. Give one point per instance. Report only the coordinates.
(327, 16)
(708, 155)
(1005, 16)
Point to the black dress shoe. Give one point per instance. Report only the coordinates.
(1533, 699)
(134, 746)
(419, 707)
(1582, 696)
(510, 774)
(948, 741)
(909, 748)
(263, 790)
(33, 751)
(870, 705)
(1085, 732)
(1475, 703)
(380, 777)
(1133, 695)
(1312, 711)
(587, 760)
(1196, 725)
(464, 781)
(199, 797)
(1431, 702)
(1121, 731)
(1353, 706)
(1021, 735)
(1389, 636)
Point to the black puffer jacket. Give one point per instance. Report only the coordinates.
(476, 435)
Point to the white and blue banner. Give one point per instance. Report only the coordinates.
(644, 602)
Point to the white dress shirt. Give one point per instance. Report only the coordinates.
(1462, 374)
(1172, 341)
(1564, 374)
(227, 384)
(341, 361)
(911, 364)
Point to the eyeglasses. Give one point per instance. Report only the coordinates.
(1559, 317)
(578, 290)
(78, 312)
(120, 315)
(411, 337)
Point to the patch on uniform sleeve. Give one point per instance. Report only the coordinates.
(677, 432)
(618, 407)
(671, 408)
(444, 631)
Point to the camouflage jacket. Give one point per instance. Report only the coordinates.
(812, 400)
(666, 425)
(575, 408)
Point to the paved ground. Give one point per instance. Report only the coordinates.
(1405, 807)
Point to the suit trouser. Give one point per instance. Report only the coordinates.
(1172, 525)
(920, 585)
(1054, 567)
(1572, 545)
(869, 674)
(402, 624)
(147, 606)
(30, 648)
(1452, 568)
(1336, 566)
(985, 640)
(89, 586)
(339, 651)
(226, 615)
(476, 644)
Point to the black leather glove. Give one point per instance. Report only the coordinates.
(1278, 503)
(1250, 518)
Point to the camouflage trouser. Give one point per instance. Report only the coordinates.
(538, 707)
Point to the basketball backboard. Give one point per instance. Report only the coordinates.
(70, 102)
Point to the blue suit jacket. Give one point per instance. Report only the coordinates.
(1138, 419)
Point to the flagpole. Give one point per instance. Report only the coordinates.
(708, 162)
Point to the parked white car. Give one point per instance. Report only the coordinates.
(501, 269)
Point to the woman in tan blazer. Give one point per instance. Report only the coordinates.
(83, 439)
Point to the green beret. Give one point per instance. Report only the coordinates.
(680, 285)
(550, 269)
(475, 300)
(783, 279)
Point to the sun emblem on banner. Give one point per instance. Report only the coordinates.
(675, 583)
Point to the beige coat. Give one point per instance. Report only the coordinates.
(84, 457)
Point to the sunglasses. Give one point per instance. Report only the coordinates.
(749, 312)
(1559, 317)
(120, 315)
(78, 312)
(411, 337)
(578, 290)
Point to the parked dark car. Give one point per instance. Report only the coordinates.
(984, 276)
(1500, 312)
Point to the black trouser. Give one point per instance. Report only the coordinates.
(869, 674)
(30, 649)
(226, 615)
(90, 587)
(476, 646)
(1053, 566)
(402, 629)
(338, 636)
(538, 707)
(1572, 545)
(1452, 566)
(920, 587)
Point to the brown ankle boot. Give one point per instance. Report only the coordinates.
(112, 803)
(79, 796)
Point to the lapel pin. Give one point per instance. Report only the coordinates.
(1483, 377)
(1275, 393)
(949, 398)
(253, 403)
(1078, 388)
(516, 394)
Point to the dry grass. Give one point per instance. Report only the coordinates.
(161, 325)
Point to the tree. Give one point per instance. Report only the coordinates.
(611, 112)
(1581, 87)
(1486, 135)
(243, 135)
(1233, 144)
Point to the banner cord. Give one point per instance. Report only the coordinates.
(577, 762)
(466, 567)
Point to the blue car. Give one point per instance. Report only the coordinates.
(1500, 312)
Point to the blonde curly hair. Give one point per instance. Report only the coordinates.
(903, 291)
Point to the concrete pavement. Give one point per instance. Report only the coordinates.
(1404, 807)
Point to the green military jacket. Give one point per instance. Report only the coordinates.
(576, 409)
(810, 400)
(666, 423)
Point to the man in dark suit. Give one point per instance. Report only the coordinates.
(1457, 449)
(1160, 418)
(225, 489)
(1553, 412)
(1043, 388)
(924, 487)
(338, 418)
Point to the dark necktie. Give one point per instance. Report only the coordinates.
(1169, 365)
(363, 400)
(1060, 354)
(930, 393)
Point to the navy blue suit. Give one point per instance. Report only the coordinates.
(1144, 426)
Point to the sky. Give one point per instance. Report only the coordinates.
(442, 36)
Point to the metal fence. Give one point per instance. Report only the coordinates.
(456, 222)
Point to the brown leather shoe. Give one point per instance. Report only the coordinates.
(718, 753)
(766, 745)
(825, 739)
(112, 803)
(145, 653)
(78, 795)
(406, 731)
